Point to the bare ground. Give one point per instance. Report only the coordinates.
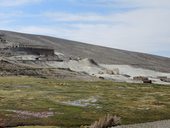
(157, 124)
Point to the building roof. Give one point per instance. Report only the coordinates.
(32, 46)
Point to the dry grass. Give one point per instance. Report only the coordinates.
(134, 103)
(106, 121)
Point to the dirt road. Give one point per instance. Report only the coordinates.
(157, 124)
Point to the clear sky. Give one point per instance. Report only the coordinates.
(136, 25)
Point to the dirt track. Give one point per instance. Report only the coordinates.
(157, 124)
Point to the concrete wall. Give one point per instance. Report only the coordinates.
(34, 51)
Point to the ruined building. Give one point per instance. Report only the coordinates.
(32, 50)
(2, 39)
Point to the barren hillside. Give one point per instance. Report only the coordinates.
(100, 54)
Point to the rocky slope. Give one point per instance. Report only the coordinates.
(42, 56)
(100, 54)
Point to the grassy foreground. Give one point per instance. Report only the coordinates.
(27, 101)
(37, 127)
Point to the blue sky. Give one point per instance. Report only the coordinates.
(136, 25)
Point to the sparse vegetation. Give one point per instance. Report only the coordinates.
(106, 122)
(37, 127)
(134, 103)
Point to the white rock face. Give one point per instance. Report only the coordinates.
(132, 71)
(23, 57)
(118, 73)
(78, 66)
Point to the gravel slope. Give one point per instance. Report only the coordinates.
(100, 54)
